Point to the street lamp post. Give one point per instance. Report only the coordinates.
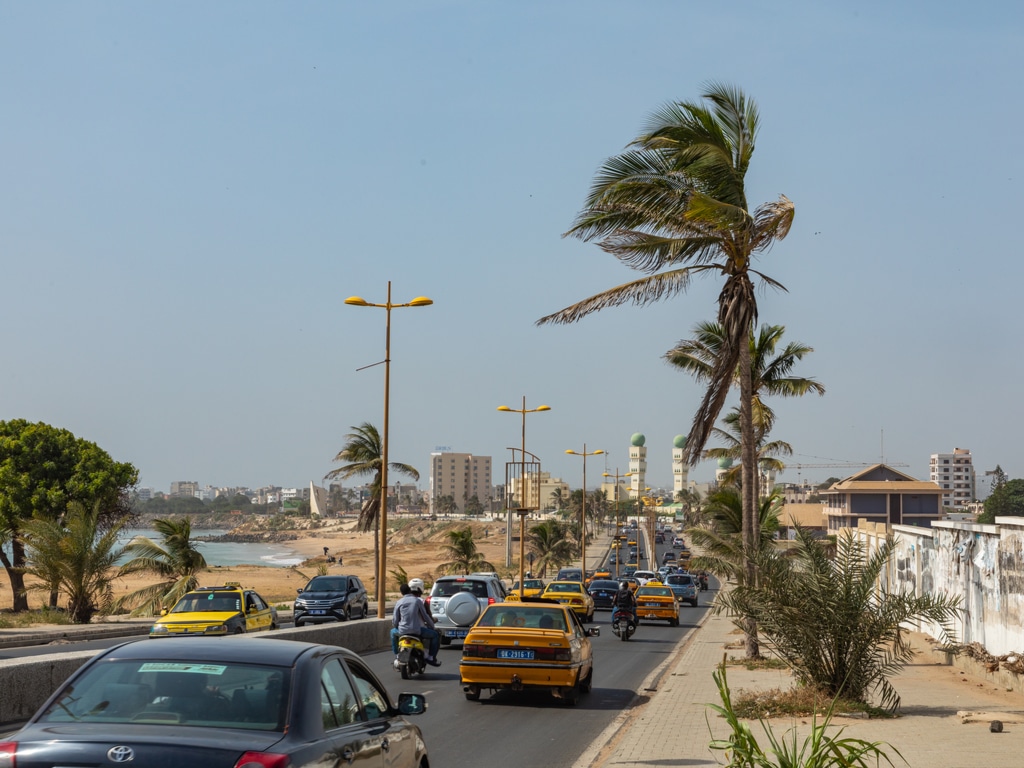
(618, 544)
(583, 510)
(523, 509)
(356, 301)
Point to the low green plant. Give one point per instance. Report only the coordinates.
(818, 749)
(12, 620)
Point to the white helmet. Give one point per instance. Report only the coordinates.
(416, 585)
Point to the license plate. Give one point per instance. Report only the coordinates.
(508, 653)
(318, 613)
(652, 605)
(456, 632)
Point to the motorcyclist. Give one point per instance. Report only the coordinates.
(411, 617)
(625, 600)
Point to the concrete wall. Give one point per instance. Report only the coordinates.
(26, 683)
(983, 565)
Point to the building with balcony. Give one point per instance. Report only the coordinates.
(954, 474)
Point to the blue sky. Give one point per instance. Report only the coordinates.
(191, 190)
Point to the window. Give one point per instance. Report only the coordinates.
(339, 704)
(374, 700)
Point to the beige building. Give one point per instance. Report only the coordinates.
(461, 476)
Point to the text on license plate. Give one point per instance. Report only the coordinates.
(510, 653)
(318, 613)
(651, 605)
(456, 632)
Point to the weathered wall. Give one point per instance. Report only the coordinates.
(983, 565)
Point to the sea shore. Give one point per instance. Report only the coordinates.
(414, 545)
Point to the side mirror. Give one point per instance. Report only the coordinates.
(594, 632)
(298, 591)
(412, 703)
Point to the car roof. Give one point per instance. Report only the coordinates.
(251, 650)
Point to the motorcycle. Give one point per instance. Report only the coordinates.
(623, 623)
(702, 580)
(412, 657)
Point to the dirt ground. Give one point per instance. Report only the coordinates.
(415, 546)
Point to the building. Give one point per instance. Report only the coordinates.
(461, 476)
(954, 473)
(881, 494)
(680, 469)
(181, 488)
(637, 466)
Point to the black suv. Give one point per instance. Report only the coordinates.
(331, 598)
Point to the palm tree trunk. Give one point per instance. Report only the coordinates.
(751, 527)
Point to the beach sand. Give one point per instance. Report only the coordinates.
(416, 547)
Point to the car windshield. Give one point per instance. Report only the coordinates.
(679, 580)
(453, 587)
(655, 592)
(154, 692)
(566, 587)
(508, 615)
(217, 602)
(327, 584)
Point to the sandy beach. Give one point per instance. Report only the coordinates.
(416, 547)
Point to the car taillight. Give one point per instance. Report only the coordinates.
(426, 601)
(262, 759)
(479, 651)
(490, 600)
(7, 750)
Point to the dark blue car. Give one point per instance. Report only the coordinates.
(603, 591)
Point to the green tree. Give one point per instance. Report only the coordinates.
(364, 453)
(674, 207)
(1007, 500)
(75, 557)
(768, 451)
(175, 560)
(720, 541)
(43, 469)
(462, 554)
(550, 546)
(831, 622)
(473, 506)
(445, 505)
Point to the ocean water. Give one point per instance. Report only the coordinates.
(231, 553)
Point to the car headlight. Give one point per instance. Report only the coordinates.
(220, 629)
(300, 603)
(158, 629)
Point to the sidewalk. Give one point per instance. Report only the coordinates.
(672, 727)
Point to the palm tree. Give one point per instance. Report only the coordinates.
(720, 542)
(831, 622)
(175, 560)
(75, 557)
(769, 372)
(767, 452)
(364, 453)
(549, 545)
(462, 554)
(673, 207)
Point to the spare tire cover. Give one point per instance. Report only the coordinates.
(462, 609)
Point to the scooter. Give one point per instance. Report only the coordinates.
(412, 657)
(623, 623)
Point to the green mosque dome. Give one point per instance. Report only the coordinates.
(724, 463)
(637, 439)
(679, 441)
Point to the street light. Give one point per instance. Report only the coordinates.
(618, 548)
(523, 509)
(583, 510)
(357, 301)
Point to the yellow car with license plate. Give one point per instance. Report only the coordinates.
(573, 595)
(528, 646)
(533, 588)
(656, 602)
(211, 611)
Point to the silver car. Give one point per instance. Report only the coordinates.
(456, 602)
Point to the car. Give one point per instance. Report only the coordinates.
(644, 576)
(598, 575)
(330, 598)
(668, 557)
(629, 569)
(227, 609)
(227, 702)
(677, 543)
(634, 585)
(569, 574)
(659, 538)
(455, 602)
(656, 602)
(572, 594)
(603, 592)
(613, 557)
(684, 587)
(533, 589)
(528, 646)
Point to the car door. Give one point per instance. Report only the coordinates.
(350, 739)
(398, 737)
(257, 613)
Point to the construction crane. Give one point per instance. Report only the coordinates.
(844, 465)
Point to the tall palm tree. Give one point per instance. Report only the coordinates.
(674, 206)
(462, 554)
(175, 560)
(770, 372)
(549, 545)
(76, 557)
(364, 453)
(768, 451)
(720, 542)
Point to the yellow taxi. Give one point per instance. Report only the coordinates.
(655, 601)
(533, 588)
(528, 646)
(572, 594)
(209, 611)
(598, 575)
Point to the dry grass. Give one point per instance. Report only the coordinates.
(799, 701)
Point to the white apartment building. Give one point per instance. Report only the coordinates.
(954, 474)
(461, 476)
